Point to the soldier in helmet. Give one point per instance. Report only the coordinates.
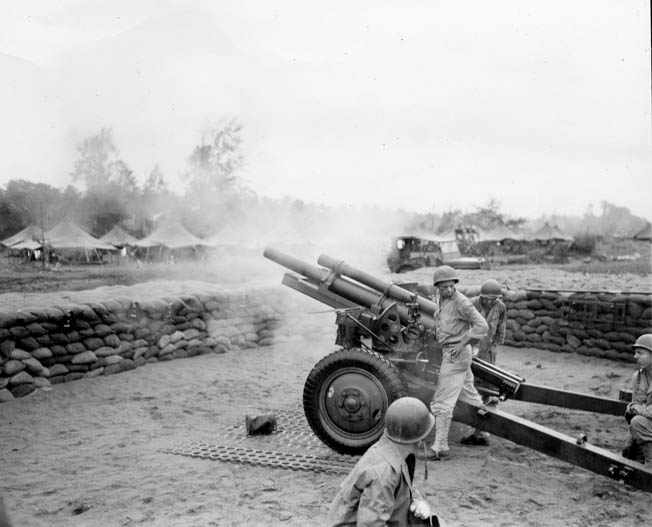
(490, 305)
(458, 326)
(379, 491)
(639, 411)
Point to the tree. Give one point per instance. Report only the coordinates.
(101, 210)
(111, 191)
(97, 153)
(489, 216)
(214, 163)
(155, 184)
(155, 200)
(24, 202)
(216, 194)
(122, 176)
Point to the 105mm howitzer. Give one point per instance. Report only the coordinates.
(388, 350)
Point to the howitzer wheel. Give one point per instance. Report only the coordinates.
(345, 398)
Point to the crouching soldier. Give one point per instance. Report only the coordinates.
(639, 411)
(378, 492)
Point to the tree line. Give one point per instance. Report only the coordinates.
(104, 192)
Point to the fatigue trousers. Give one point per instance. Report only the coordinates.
(640, 427)
(488, 355)
(455, 381)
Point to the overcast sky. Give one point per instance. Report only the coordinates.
(426, 106)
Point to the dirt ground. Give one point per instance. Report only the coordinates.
(93, 452)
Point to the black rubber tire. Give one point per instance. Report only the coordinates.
(351, 368)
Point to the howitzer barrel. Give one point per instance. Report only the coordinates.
(390, 289)
(362, 295)
(294, 264)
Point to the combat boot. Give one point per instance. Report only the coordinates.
(633, 451)
(647, 452)
(439, 448)
(476, 439)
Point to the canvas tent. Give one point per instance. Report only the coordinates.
(498, 234)
(119, 237)
(173, 236)
(68, 235)
(29, 233)
(29, 245)
(645, 233)
(549, 232)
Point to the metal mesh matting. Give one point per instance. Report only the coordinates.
(278, 449)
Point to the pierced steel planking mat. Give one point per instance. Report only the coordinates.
(278, 450)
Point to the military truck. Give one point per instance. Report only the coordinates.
(409, 252)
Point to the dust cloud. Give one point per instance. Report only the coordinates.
(358, 235)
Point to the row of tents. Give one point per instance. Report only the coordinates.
(544, 234)
(501, 233)
(68, 235)
(173, 236)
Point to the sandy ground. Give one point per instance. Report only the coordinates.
(91, 452)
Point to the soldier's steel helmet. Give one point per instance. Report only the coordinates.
(491, 289)
(444, 273)
(644, 342)
(408, 420)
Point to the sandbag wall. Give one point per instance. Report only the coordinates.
(597, 324)
(41, 347)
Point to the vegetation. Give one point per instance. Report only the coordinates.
(584, 244)
(104, 191)
(484, 217)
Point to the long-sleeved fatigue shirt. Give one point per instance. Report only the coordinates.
(456, 318)
(642, 392)
(496, 318)
(377, 492)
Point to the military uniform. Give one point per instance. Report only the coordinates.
(496, 317)
(377, 492)
(640, 426)
(455, 320)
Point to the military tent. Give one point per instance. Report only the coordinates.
(29, 245)
(119, 237)
(498, 234)
(29, 233)
(68, 235)
(172, 236)
(645, 234)
(549, 232)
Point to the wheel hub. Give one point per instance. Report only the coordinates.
(355, 401)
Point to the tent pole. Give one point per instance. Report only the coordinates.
(43, 249)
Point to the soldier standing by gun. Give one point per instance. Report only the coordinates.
(639, 411)
(490, 305)
(458, 326)
(378, 491)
